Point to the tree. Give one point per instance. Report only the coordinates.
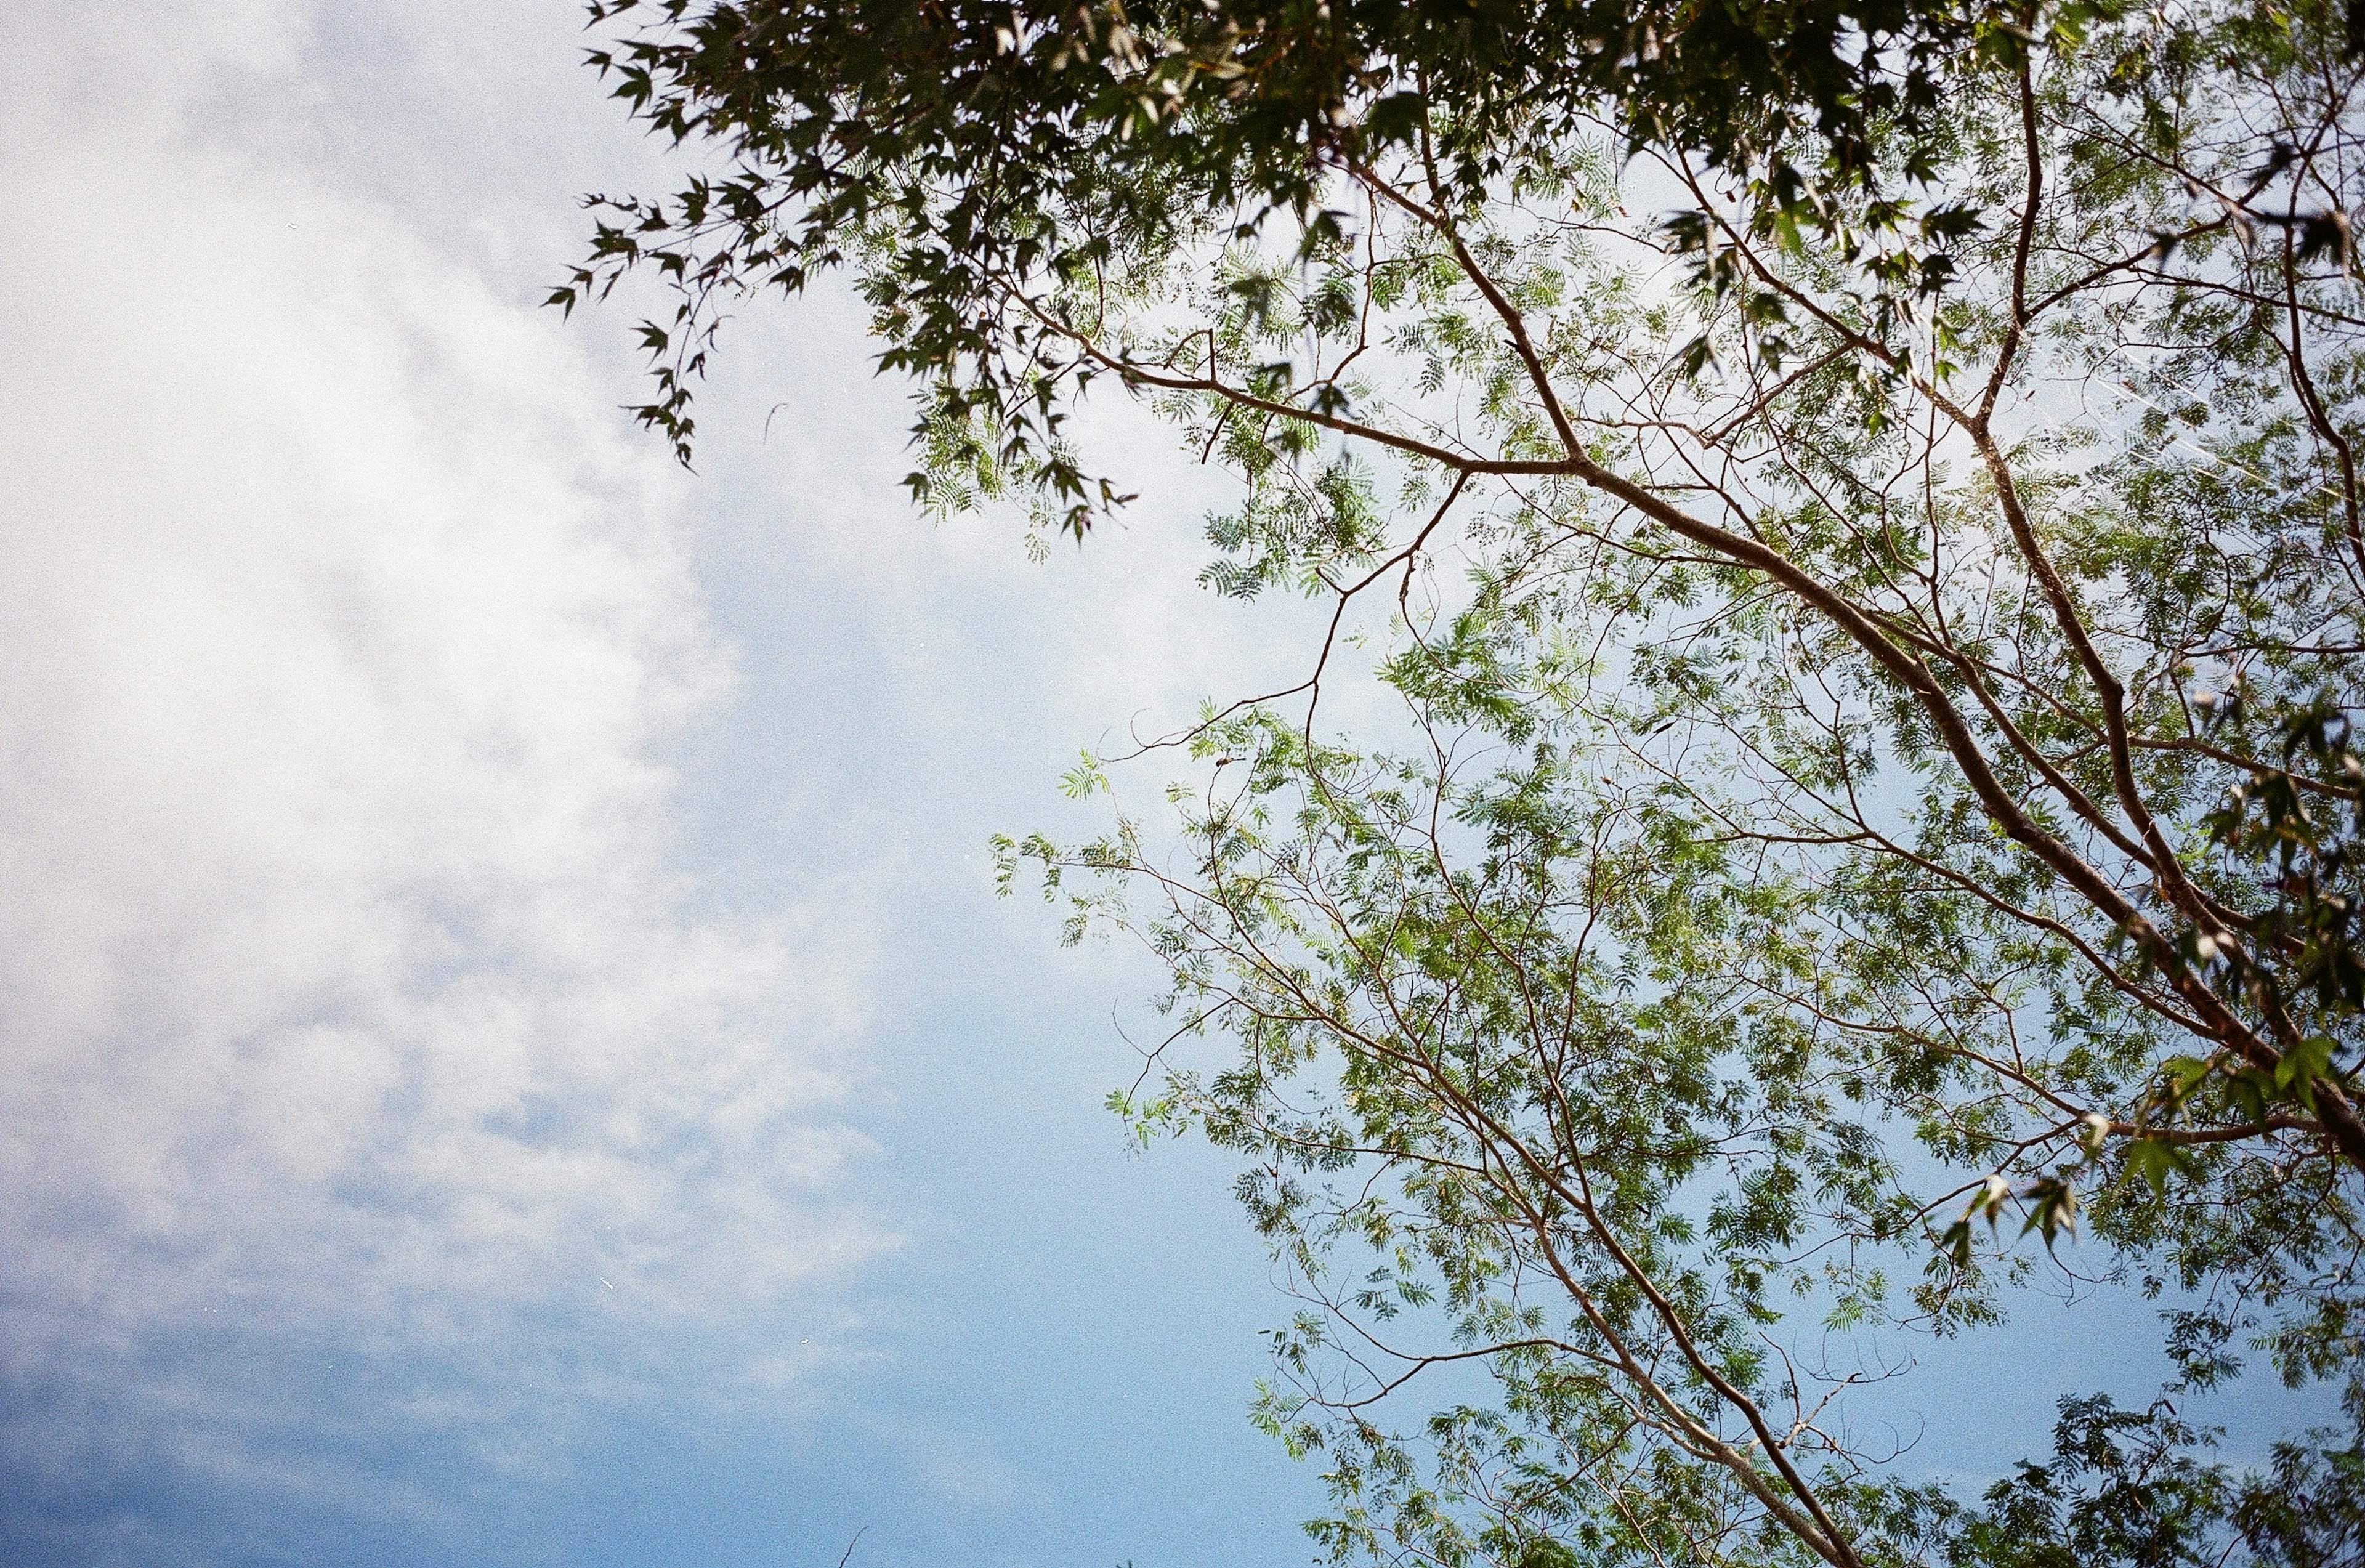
(1888, 770)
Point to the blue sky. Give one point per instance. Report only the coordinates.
(512, 1055)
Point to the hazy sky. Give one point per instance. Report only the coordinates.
(511, 1054)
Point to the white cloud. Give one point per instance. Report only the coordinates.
(350, 1014)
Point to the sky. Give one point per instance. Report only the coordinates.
(508, 1051)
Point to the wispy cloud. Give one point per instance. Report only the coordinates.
(358, 1041)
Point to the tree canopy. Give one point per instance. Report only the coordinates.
(1887, 769)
